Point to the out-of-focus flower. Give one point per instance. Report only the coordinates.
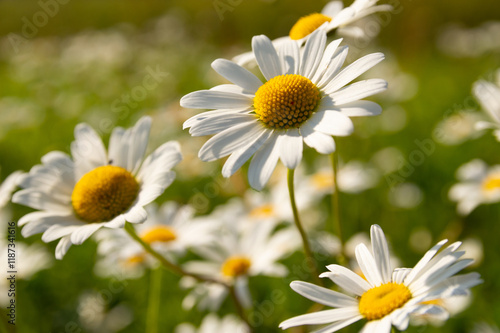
(479, 184)
(76, 197)
(212, 324)
(305, 99)
(405, 195)
(458, 41)
(488, 95)
(485, 328)
(386, 297)
(170, 230)
(457, 128)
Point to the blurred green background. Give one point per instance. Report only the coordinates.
(78, 65)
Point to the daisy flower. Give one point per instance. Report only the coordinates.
(304, 99)
(488, 95)
(333, 16)
(93, 189)
(382, 296)
(479, 184)
(211, 323)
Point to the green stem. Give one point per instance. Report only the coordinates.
(298, 224)
(154, 301)
(173, 267)
(239, 308)
(336, 210)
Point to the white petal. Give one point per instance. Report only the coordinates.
(60, 230)
(237, 74)
(321, 317)
(323, 295)
(331, 122)
(138, 137)
(200, 117)
(63, 247)
(360, 109)
(332, 8)
(333, 66)
(423, 262)
(220, 123)
(136, 215)
(263, 163)
(354, 92)
(328, 55)
(41, 221)
(347, 279)
(228, 141)
(313, 52)
(323, 143)
(209, 99)
(338, 325)
(353, 71)
(399, 274)
(368, 265)
(381, 253)
(289, 56)
(240, 156)
(290, 148)
(160, 162)
(489, 96)
(87, 150)
(39, 200)
(266, 56)
(118, 147)
(81, 234)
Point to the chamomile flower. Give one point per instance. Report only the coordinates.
(305, 99)
(479, 184)
(77, 196)
(488, 95)
(385, 297)
(333, 16)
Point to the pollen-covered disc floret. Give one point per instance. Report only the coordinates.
(378, 302)
(104, 193)
(307, 24)
(286, 101)
(159, 233)
(236, 266)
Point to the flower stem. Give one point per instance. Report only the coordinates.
(336, 210)
(239, 308)
(154, 301)
(305, 242)
(173, 267)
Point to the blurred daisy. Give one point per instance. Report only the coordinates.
(457, 128)
(96, 188)
(485, 328)
(248, 249)
(478, 184)
(8, 186)
(170, 230)
(488, 95)
(333, 16)
(211, 323)
(304, 99)
(385, 297)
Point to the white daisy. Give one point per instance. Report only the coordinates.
(244, 249)
(75, 197)
(479, 184)
(385, 297)
(8, 186)
(304, 99)
(170, 230)
(488, 95)
(211, 323)
(333, 16)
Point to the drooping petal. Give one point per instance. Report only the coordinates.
(263, 163)
(290, 148)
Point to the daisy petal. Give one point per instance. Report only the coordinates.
(323, 143)
(355, 91)
(313, 52)
(338, 325)
(321, 317)
(81, 234)
(328, 55)
(333, 66)
(219, 123)
(368, 265)
(263, 164)
(87, 150)
(237, 74)
(290, 148)
(423, 262)
(360, 109)
(209, 99)
(323, 295)
(63, 247)
(347, 279)
(266, 56)
(332, 123)
(289, 56)
(381, 253)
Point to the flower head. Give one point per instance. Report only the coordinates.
(305, 99)
(488, 95)
(385, 297)
(93, 189)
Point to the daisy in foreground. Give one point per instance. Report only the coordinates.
(305, 98)
(385, 297)
(75, 197)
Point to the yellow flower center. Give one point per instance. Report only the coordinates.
(492, 182)
(160, 233)
(322, 180)
(236, 266)
(378, 302)
(134, 260)
(307, 24)
(262, 211)
(286, 101)
(104, 193)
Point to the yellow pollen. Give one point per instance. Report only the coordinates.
(160, 233)
(235, 266)
(378, 302)
(492, 182)
(307, 24)
(134, 260)
(322, 180)
(286, 101)
(266, 210)
(104, 193)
